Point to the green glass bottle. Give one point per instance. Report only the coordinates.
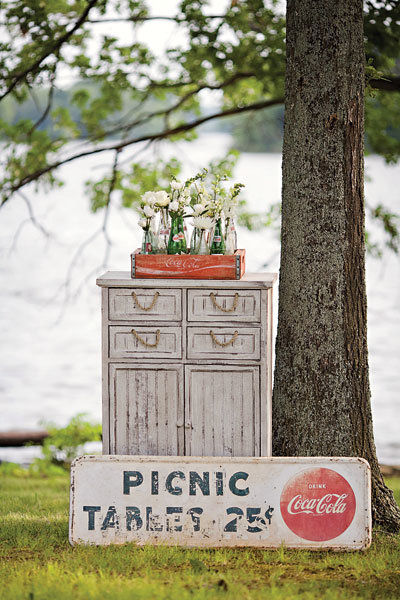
(175, 240)
(182, 235)
(218, 243)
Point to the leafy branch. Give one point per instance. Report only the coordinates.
(120, 145)
(21, 76)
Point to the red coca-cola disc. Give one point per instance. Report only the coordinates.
(318, 504)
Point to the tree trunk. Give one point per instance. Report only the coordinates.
(321, 401)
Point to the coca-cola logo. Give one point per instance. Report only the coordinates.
(318, 504)
(186, 265)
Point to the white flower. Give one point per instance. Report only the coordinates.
(149, 198)
(142, 223)
(204, 196)
(162, 198)
(176, 185)
(198, 209)
(148, 211)
(203, 222)
(174, 206)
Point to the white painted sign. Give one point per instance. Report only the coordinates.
(189, 501)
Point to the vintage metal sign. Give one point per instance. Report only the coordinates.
(189, 501)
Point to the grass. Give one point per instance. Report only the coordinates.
(37, 562)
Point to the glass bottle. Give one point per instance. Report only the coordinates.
(194, 240)
(230, 236)
(175, 240)
(218, 243)
(185, 233)
(154, 234)
(163, 232)
(182, 235)
(202, 246)
(147, 242)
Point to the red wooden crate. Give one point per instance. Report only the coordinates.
(188, 266)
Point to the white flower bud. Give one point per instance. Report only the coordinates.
(149, 198)
(148, 211)
(176, 185)
(174, 206)
(162, 198)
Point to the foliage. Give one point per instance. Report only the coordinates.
(127, 93)
(383, 126)
(63, 444)
(126, 96)
(37, 561)
(389, 222)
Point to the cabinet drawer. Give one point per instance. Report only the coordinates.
(145, 304)
(242, 343)
(145, 342)
(224, 305)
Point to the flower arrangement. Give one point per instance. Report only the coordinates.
(206, 199)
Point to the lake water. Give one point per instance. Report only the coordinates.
(50, 305)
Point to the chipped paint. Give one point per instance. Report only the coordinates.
(315, 503)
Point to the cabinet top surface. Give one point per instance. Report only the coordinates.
(249, 280)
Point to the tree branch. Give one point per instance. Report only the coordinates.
(31, 219)
(388, 84)
(108, 243)
(152, 18)
(113, 181)
(18, 77)
(32, 216)
(165, 112)
(144, 138)
(48, 105)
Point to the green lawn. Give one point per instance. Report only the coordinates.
(37, 562)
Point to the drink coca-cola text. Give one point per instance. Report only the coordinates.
(330, 503)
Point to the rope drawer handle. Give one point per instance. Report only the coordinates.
(152, 305)
(226, 310)
(224, 344)
(147, 344)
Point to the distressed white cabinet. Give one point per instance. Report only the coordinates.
(187, 365)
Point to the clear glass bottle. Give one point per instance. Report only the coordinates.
(185, 233)
(147, 242)
(163, 232)
(202, 246)
(218, 243)
(175, 240)
(153, 229)
(230, 236)
(194, 240)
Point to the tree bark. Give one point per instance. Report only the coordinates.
(321, 400)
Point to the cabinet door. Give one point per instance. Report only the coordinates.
(146, 409)
(222, 411)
